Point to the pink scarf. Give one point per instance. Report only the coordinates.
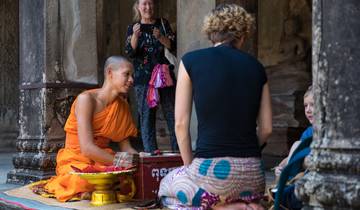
(160, 78)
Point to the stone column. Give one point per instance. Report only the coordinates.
(58, 59)
(190, 17)
(9, 79)
(334, 163)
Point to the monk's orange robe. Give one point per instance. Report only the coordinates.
(114, 123)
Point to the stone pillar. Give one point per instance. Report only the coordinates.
(189, 37)
(189, 23)
(9, 74)
(58, 59)
(333, 181)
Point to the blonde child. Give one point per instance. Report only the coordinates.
(309, 109)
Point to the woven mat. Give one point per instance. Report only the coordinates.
(25, 193)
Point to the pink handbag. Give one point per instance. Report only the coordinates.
(160, 78)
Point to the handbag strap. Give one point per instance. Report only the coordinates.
(162, 23)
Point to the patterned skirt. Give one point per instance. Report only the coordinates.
(209, 182)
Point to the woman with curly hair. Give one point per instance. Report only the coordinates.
(232, 101)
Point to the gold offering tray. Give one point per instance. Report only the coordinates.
(103, 175)
(103, 183)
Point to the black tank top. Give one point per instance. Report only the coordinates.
(227, 87)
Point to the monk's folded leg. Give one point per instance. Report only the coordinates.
(67, 186)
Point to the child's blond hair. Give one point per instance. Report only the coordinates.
(308, 91)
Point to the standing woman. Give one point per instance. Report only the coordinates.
(232, 100)
(146, 41)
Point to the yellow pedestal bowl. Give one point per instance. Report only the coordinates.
(103, 183)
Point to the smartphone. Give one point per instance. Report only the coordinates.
(146, 28)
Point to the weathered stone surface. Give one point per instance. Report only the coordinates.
(31, 43)
(71, 53)
(68, 37)
(167, 9)
(286, 36)
(329, 191)
(9, 74)
(115, 27)
(58, 59)
(162, 131)
(288, 78)
(288, 110)
(43, 113)
(333, 181)
(270, 30)
(277, 143)
(189, 24)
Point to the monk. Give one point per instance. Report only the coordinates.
(97, 117)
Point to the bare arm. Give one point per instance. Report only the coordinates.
(285, 161)
(84, 114)
(134, 41)
(183, 108)
(292, 149)
(265, 115)
(135, 36)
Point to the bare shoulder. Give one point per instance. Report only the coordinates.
(86, 100)
(86, 97)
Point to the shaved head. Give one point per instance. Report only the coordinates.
(114, 62)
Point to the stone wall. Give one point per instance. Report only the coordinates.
(9, 73)
(284, 47)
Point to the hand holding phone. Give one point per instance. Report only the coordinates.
(136, 29)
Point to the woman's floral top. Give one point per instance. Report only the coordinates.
(149, 51)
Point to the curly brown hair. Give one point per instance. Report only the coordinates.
(227, 22)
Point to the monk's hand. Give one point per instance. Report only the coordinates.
(125, 159)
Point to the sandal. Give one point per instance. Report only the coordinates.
(153, 204)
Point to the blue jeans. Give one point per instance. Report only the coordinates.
(147, 116)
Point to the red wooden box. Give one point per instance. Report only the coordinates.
(150, 172)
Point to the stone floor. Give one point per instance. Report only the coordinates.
(6, 166)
